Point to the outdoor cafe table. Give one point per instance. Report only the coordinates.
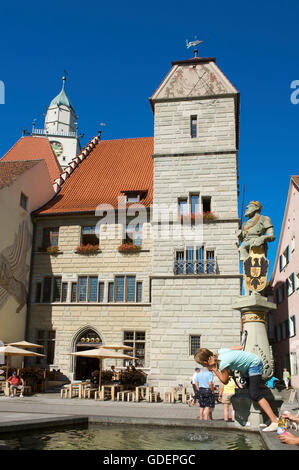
(76, 385)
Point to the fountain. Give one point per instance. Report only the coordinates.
(254, 307)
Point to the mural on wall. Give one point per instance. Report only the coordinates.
(13, 268)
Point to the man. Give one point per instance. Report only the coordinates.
(205, 387)
(16, 382)
(193, 383)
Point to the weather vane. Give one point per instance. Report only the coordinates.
(193, 44)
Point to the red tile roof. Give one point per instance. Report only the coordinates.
(9, 171)
(111, 168)
(34, 148)
(295, 178)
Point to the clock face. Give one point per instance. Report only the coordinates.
(57, 148)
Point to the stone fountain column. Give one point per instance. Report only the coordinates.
(254, 311)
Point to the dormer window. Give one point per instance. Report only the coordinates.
(134, 197)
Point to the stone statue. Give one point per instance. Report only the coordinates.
(256, 231)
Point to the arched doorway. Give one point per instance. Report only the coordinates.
(84, 366)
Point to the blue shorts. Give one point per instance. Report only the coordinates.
(255, 370)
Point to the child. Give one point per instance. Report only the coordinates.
(225, 394)
(248, 364)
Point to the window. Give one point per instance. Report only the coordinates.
(280, 294)
(101, 292)
(135, 339)
(24, 201)
(193, 126)
(210, 262)
(89, 236)
(139, 291)
(206, 204)
(182, 206)
(46, 338)
(290, 284)
(194, 203)
(38, 292)
(56, 289)
(64, 292)
(88, 289)
(195, 260)
(133, 234)
(132, 197)
(50, 237)
(110, 291)
(47, 289)
(74, 292)
(194, 344)
(294, 363)
(125, 289)
(292, 326)
(284, 258)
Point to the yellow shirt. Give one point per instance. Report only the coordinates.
(229, 387)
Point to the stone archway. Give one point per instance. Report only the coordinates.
(86, 338)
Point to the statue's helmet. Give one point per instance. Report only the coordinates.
(257, 204)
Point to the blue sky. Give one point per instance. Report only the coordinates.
(117, 53)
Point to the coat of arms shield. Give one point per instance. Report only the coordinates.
(256, 269)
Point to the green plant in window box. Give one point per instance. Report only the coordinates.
(209, 217)
(87, 249)
(129, 248)
(52, 250)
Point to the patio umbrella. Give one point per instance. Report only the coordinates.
(101, 353)
(25, 345)
(9, 351)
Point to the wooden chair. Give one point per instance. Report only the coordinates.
(154, 396)
(168, 397)
(123, 394)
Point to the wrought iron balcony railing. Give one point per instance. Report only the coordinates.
(205, 266)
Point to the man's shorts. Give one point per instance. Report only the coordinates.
(206, 398)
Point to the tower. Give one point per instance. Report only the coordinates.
(194, 279)
(61, 128)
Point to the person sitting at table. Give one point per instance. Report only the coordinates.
(16, 382)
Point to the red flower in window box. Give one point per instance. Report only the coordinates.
(87, 249)
(129, 248)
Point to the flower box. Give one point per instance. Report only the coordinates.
(51, 250)
(129, 248)
(87, 249)
(209, 217)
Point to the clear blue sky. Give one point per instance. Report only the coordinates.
(117, 53)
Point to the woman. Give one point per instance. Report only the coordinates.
(286, 377)
(248, 364)
(204, 385)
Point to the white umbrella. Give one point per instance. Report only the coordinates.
(14, 351)
(25, 345)
(101, 353)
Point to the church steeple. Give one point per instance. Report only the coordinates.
(61, 127)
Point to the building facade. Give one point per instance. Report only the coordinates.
(285, 284)
(173, 197)
(24, 187)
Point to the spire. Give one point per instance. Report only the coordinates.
(61, 98)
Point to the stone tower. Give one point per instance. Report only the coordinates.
(61, 128)
(195, 278)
